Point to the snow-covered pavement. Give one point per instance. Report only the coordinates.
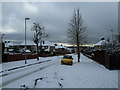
(86, 74)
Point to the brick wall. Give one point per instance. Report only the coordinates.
(17, 57)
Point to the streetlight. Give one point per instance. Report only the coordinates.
(25, 39)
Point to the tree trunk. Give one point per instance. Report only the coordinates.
(37, 53)
(78, 49)
(40, 48)
(78, 52)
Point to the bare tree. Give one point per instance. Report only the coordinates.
(38, 35)
(76, 31)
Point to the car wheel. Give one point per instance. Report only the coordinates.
(61, 63)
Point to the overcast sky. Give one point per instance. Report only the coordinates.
(99, 18)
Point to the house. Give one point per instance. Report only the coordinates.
(47, 46)
(30, 45)
(101, 44)
(62, 49)
(19, 46)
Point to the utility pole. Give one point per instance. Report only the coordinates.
(118, 22)
(25, 39)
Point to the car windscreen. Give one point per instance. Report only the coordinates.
(68, 57)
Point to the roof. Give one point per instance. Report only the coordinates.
(14, 43)
(48, 43)
(28, 42)
(102, 42)
(59, 46)
(9, 44)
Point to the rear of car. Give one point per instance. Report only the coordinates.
(67, 59)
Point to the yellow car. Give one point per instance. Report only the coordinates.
(67, 59)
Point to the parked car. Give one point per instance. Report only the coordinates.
(67, 59)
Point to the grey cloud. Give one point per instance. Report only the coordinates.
(98, 17)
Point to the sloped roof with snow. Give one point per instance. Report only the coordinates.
(14, 43)
(28, 42)
(58, 46)
(48, 43)
(8, 44)
(102, 42)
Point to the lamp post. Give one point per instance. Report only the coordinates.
(25, 38)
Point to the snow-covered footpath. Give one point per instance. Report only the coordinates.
(86, 74)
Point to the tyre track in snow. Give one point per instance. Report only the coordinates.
(26, 74)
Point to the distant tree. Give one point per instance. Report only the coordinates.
(76, 31)
(38, 35)
(115, 40)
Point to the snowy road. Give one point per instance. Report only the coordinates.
(19, 68)
(14, 75)
(23, 73)
(86, 74)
